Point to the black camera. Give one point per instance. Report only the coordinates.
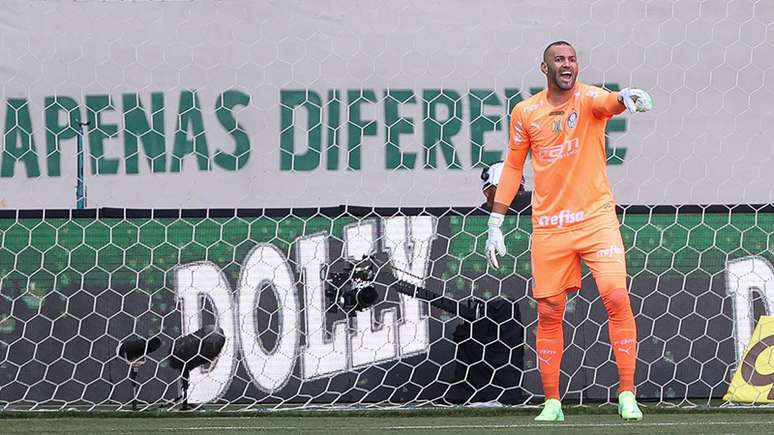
(489, 338)
(353, 288)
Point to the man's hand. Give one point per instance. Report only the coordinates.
(495, 244)
(636, 100)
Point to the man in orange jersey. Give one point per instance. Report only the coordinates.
(573, 214)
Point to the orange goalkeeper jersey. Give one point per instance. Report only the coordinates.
(567, 145)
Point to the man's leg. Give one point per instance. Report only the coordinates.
(555, 267)
(623, 338)
(550, 342)
(623, 334)
(550, 346)
(603, 252)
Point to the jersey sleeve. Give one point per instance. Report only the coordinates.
(604, 104)
(513, 169)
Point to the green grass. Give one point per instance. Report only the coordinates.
(447, 423)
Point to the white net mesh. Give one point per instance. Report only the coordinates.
(229, 134)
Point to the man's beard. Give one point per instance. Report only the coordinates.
(561, 84)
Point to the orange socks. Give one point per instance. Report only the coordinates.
(623, 335)
(550, 342)
(550, 338)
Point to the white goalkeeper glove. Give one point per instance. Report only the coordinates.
(495, 244)
(636, 100)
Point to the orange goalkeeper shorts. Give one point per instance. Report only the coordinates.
(556, 258)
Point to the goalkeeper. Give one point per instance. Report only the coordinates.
(573, 214)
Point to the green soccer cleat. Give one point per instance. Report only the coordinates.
(552, 411)
(627, 407)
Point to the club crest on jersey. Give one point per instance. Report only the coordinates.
(557, 128)
(572, 120)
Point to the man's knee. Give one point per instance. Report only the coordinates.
(618, 305)
(552, 308)
(616, 298)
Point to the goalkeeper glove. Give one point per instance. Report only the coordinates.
(495, 244)
(636, 100)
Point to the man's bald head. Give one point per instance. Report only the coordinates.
(555, 44)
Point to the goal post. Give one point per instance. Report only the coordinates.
(77, 286)
(236, 154)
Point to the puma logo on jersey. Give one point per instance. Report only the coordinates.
(553, 153)
(531, 108)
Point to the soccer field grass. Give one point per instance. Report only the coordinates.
(681, 423)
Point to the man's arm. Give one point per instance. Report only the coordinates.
(513, 167)
(510, 180)
(606, 105)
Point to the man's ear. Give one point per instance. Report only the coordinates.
(544, 67)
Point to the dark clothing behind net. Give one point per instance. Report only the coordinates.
(520, 204)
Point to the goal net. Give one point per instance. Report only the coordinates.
(240, 160)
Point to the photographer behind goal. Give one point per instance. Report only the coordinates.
(490, 349)
(491, 178)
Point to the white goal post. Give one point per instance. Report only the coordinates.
(237, 153)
